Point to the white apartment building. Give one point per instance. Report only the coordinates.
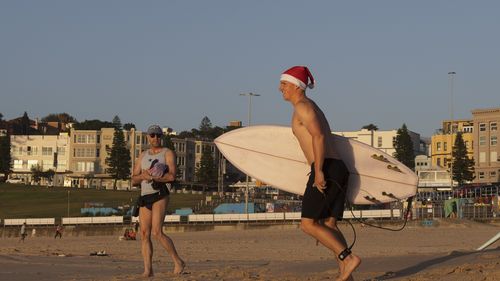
(383, 140)
(43, 151)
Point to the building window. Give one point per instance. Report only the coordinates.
(493, 126)
(467, 144)
(438, 162)
(482, 127)
(482, 140)
(493, 140)
(47, 164)
(61, 150)
(481, 175)
(445, 146)
(98, 138)
(18, 164)
(46, 151)
(197, 148)
(61, 165)
(493, 156)
(445, 162)
(97, 152)
(438, 146)
(32, 163)
(482, 157)
(493, 174)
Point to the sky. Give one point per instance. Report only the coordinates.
(174, 62)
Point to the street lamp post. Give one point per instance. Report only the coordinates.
(451, 76)
(68, 202)
(249, 95)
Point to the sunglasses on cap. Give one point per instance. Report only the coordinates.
(155, 135)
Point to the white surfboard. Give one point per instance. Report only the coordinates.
(272, 155)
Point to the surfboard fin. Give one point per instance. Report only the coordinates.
(389, 195)
(394, 168)
(380, 158)
(372, 199)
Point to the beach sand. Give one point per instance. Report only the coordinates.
(275, 252)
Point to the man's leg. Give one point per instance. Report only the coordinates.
(158, 217)
(331, 223)
(326, 236)
(146, 245)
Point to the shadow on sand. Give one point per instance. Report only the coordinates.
(428, 263)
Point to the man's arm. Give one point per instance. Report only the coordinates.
(309, 119)
(137, 174)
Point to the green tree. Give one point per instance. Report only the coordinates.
(205, 125)
(463, 166)
(370, 127)
(118, 159)
(166, 141)
(128, 126)
(5, 157)
(206, 174)
(404, 147)
(25, 124)
(92, 125)
(36, 173)
(59, 117)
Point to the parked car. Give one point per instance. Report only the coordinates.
(14, 180)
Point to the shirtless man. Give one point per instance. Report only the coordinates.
(324, 197)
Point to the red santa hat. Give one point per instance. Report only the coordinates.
(300, 76)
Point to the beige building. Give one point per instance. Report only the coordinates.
(442, 143)
(486, 147)
(48, 152)
(185, 156)
(383, 140)
(89, 150)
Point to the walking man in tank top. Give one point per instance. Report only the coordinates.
(154, 169)
(324, 196)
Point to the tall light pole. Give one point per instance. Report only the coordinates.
(249, 95)
(451, 77)
(68, 203)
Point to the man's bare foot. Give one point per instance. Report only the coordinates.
(342, 269)
(147, 274)
(179, 267)
(350, 264)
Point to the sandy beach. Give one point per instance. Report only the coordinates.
(275, 252)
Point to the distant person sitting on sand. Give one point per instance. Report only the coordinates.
(59, 231)
(23, 232)
(155, 168)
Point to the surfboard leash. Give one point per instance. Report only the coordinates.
(351, 207)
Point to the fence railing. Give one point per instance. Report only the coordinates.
(207, 218)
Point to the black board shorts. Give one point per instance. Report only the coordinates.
(149, 199)
(316, 205)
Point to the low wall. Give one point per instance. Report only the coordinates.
(118, 230)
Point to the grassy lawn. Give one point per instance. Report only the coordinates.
(24, 201)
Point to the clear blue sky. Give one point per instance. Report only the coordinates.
(174, 62)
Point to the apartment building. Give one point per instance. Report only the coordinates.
(185, 154)
(47, 152)
(443, 142)
(486, 147)
(384, 140)
(89, 150)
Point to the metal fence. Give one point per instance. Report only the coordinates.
(478, 203)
